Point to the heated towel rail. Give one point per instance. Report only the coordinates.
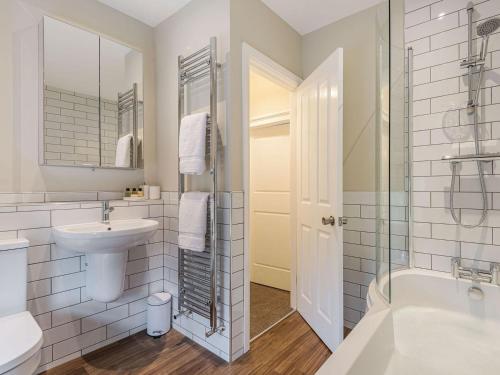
(198, 291)
(128, 101)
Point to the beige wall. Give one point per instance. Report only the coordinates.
(19, 96)
(266, 97)
(185, 32)
(252, 22)
(181, 33)
(6, 96)
(356, 35)
(233, 22)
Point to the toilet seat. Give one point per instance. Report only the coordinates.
(20, 341)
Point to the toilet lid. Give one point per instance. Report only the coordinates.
(20, 338)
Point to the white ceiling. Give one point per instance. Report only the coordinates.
(309, 15)
(150, 12)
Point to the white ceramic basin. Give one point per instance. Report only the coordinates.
(117, 236)
(106, 247)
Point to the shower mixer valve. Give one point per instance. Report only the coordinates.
(472, 62)
(475, 78)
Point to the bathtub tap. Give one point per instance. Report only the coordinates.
(460, 272)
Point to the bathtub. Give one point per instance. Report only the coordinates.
(432, 327)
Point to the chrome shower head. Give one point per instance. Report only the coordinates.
(487, 27)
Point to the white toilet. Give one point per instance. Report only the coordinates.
(20, 336)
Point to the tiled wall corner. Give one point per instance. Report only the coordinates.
(237, 279)
(359, 253)
(360, 245)
(72, 323)
(437, 31)
(193, 325)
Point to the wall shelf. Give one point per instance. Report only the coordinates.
(280, 118)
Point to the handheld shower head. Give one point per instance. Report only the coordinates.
(487, 27)
(484, 30)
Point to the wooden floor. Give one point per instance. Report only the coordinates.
(289, 348)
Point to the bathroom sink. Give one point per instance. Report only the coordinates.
(106, 248)
(117, 236)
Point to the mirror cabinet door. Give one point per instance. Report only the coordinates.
(71, 95)
(93, 99)
(121, 105)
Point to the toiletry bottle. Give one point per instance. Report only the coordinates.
(127, 193)
(145, 190)
(134, 193)
(140, 193)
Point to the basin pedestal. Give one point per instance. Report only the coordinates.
(105, 275)
(106, 247)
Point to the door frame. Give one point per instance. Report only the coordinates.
(254, 59)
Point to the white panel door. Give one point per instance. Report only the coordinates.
(270, 206)
(319, 185)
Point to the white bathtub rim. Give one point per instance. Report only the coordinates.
(375, 298)
(356, 355)
(348, 353)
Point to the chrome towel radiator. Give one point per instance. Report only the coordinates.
(198, 291)
(128, 101)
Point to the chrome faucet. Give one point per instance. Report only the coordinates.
(106, 210)
(460, 272)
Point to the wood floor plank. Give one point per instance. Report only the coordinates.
(289, 348)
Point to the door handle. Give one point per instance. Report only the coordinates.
(328, 220)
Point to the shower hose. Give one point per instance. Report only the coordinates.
(454, 165)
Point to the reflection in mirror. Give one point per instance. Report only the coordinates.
(71, 95)
(121, 106)
(82, 70)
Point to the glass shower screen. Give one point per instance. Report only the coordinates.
(392, 185)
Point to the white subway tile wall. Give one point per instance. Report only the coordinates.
(360, 245)
(230, 278)
(14, 199)
(72, 323)
(359, 253)
(437, 31)
(234, 205)
(71, 128)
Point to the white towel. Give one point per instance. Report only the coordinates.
(122, 159)
(193, 220)
(192, 140)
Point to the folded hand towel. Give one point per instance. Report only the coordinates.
(122, 159)
(193, 220)
(192, 138)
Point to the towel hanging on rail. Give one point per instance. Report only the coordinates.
(192, 144)
(198, 291)
(193, 220)
(123, 148)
